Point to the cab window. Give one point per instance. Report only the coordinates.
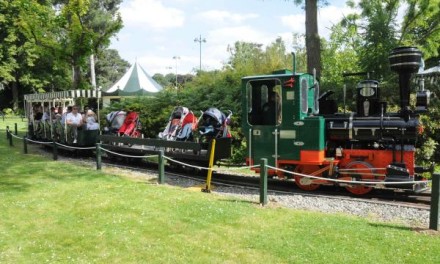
(264, 102)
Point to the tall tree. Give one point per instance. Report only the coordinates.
(42, 42)
(421, 26)
(109, 67)
(313, 41)
(20, 56)
(88, 26)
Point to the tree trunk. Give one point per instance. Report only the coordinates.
(76, 76)
(313, 42)
(14, 88)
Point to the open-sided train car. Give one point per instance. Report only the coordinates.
(283, 122)
(177, 139)
(51, 127)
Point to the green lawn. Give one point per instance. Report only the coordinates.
(62, 213)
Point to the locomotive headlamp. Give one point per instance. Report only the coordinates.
(368, 98)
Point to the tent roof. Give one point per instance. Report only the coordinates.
(431, 71)
(135, 81)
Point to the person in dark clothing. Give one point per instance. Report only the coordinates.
(272, 110)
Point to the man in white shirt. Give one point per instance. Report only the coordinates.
(74, 120)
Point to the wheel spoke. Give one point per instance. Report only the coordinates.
(364, 173)
(305, 183)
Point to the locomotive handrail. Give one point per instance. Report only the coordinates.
(344, 181)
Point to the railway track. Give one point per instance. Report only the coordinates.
(288, 187)
(275, 186)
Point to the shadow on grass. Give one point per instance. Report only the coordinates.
(231, 200)
(8, 185)
(152, 181)
(20, 171)
(393, 226)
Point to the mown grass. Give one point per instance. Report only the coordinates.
(62, 213)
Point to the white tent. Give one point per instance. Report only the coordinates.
(135, 81)
(432, 75)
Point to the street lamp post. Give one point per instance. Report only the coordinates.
(176, 58)
(200, 40)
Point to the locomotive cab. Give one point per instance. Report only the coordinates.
(280, 122)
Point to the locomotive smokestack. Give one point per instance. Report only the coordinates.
(405, 61)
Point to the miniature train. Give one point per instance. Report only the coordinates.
(48, 115)
(287, 121)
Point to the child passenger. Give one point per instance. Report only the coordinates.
(90, 120)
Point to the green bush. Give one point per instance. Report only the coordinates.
(8, 112)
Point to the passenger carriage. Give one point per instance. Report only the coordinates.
(54, 127)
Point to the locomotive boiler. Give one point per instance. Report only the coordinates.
(288, 122)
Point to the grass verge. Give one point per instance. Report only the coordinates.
(58, 212)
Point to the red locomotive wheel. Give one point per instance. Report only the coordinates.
(305, 183)
(365, 171)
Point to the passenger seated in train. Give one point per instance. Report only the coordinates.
(38, 113)
(64, 115)
(272, 110)
(90, 120)
(37, 126)
(74, 121)
(58, 127)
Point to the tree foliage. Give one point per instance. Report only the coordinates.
(109, 67)
(219, 88)
(42, 42)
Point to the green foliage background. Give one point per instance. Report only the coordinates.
(44, 43)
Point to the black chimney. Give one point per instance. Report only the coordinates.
(405, 61)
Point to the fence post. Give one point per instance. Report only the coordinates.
(25, 149)
(161, 160)
(435, 202)
(16, 129)
(263, 181)
(9, 136)
(210, 165)
(55, 150)
(98, 156)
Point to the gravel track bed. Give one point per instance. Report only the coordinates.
(378, 212)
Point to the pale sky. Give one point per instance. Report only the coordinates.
(155, 31)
